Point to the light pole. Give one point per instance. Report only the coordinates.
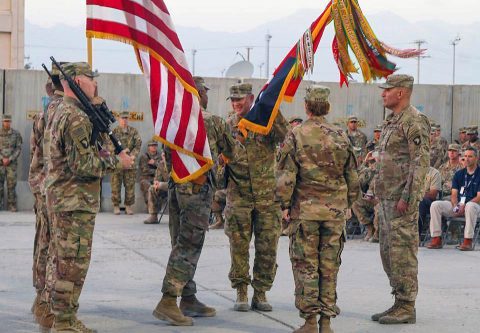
(194, 52)
(419, 43)
(268, 37)
(260, 69)
(454, 44)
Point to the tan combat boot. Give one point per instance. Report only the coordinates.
(168, 310)
(404, 313)
(310, 326)
(374, 238)
(192, 307)
(369, 235)
(73, 326)
(377, 316)
(152, 219)
(116, 210)
(241, 304)
(259, 302)
(324, 325)
(129, 210)
(219, 222)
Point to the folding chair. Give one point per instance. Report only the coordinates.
(165, 205)
(461, 221)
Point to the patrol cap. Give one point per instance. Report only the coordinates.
(472, 130)
(200, 83)
(240, 90)
(152, 143)
(6, 117)
(454, 146)
(54, 71)
(294, 118)
(317, 93)
(352, 118)
(124, 114)
(398, 80)
(378, 128)
(462, 130)
(78, 68)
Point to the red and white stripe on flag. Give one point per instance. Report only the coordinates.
(177, 117)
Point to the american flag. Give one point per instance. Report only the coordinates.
(177, 117)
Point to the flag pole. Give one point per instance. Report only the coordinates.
(89, 51)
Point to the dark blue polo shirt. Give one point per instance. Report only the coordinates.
(469, 182)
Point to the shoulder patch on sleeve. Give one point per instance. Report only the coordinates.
(417, 140)
(80, 137)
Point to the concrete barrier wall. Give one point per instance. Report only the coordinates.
(25, 94)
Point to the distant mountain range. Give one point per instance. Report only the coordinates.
(216, 51)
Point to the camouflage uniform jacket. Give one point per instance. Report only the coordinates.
(130, 139)
(475, 144)
(10, 144)
(161, 173)
(371, 145)
(55, 101)
(365, 176)
(446, 172)
(404, 156)
(36, 173)
(316, 172)
(147, 171)
(359, 139)
(74, 167)
(437, 153)
(251, 174)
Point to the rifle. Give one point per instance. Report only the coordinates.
(100, 115)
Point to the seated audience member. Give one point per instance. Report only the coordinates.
(147, 165)
(464, 201)
(448, 169)
(433, 186)
(157, 193)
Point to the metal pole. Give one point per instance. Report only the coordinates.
(194, 52)
(248, 52)
(419, 43)
(268, 37)
(454, 44)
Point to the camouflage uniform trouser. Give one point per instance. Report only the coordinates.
(10, 174)
(127, 177)
(365, 212)
(41, 243)
(240, 224)
(156, 199)
(315, 250)
(189, 212)
(72, 234)
(399, 247)
(144, 187)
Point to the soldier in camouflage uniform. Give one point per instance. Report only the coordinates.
(189, 213)
(437, 153)
(398, 185)
(448, 169)
(250, 206)
(220, 196)
(43, 232)
(357, 137)
(10, 147)
(364, 207)
(462, 136)
(72, 187)
(147, 165)
(130, 140)
(441, 139)
(473, 141)
(316, 183)
(157, 192)
(36, 177)
(372, 144)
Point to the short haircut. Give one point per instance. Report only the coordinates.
(475, 151)
(317, 108)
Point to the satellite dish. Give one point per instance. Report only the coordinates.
(243, 69)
